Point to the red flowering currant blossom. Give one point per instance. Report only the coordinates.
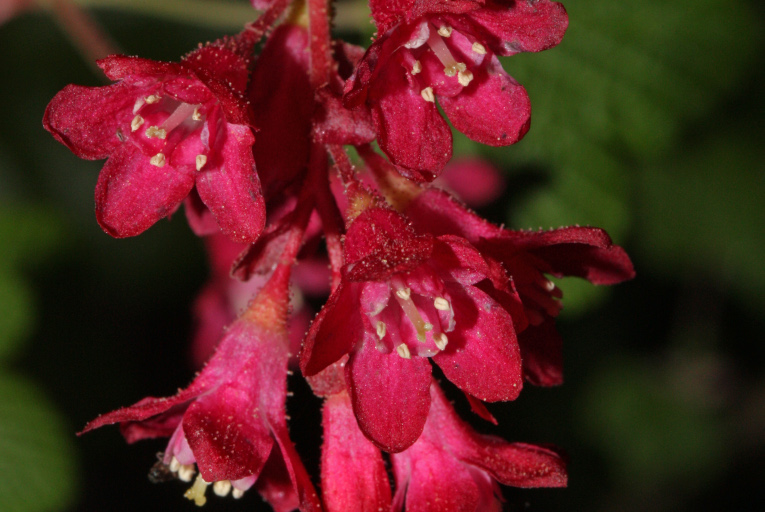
(230, 421)
(447, 51)
(451, 467)
(166, 128)
(527, 257)
(402, 300)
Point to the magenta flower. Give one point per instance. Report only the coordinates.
(405, 299)
(230, 422)
(528, 257)
(166, 128)
(447, 51)
(451, 467)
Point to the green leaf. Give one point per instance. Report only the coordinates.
(37, 468)
(618, 90)
(18, 313)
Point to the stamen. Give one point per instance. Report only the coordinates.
(186, 472)
(201, 161)
(136, 123)
(237, 493)
(451, 66)
(427, 94)
(151, 99)
(174, 465)
(157, 160)
(479, 48)
(440, 340)
(404, 298)
(445, 31)
(416, 67)
(197, 492)
(154, 131)
(441, 304)
(222, 487)
(196, 116)
(403, 351)
(380, 328)
(464, 78)
(404, 293)
(138, 104)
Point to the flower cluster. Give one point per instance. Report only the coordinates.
(251, 138)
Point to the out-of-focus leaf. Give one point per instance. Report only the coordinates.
(618, 89)
(37, 468)
(17, 313)
(647, 431)
(701, 215)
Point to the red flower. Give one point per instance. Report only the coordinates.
(446, 50)
(165, 128)
(230, 421)
(527, 257)
(403, 299)
(460, 468)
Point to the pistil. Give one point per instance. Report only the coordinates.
(451, 66)
(404, 297)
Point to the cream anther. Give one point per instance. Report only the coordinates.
(196, 116)
(136, 123)
(222, 487)
(186, 472)
(157, 160)
(445, 31)
(237, 493)
(380, 328)
(549, 285)
(403, 351)
(155, 131)
(479, 48)
(404, 293)
(464, 78)
(427, 94)
(201, 160)
(441, 304)
(197, 492)
(416, 67)
(440, 340)
(174, 465)
(151, 99)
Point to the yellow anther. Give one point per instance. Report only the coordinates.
(440, 340)
(380, 328)
(427, 94)
(416, 67)
(479, 48)
(222, 487)
(201, 161)
(136, 123)
(403, 351)
(157, 160)
(441, 304)
(445, 31)
(197, 492)
(196, 116)
(464, 78)
(151, 99)
(155, 131)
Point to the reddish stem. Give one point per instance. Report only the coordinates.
(320, 49)
(255, 30)
(332, 224)
(84, 31)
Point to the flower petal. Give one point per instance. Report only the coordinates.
(542, 354)
(132, 194)
(482, 357)
(353, 474)
(390, 395)
(229, 186)
(494, 109)
(87, 120)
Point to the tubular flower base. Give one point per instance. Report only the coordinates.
(414, 277)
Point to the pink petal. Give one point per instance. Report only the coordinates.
(480, 409)
(410, 130)
(229, 437)
(275, 485)
(482, 357)
(518, 464)
(353, 474)
(524, 26)
(473, 180)
(199, 217)
(434, 211)
(230, 187)
(493, 109)
(87, 120)
(387, 13)
(542, 354)
(390, 395)
(334, 331)
(132, 194)
(335, 124)
(117, 67)
(301, 481)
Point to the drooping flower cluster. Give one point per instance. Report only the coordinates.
(253, 144)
